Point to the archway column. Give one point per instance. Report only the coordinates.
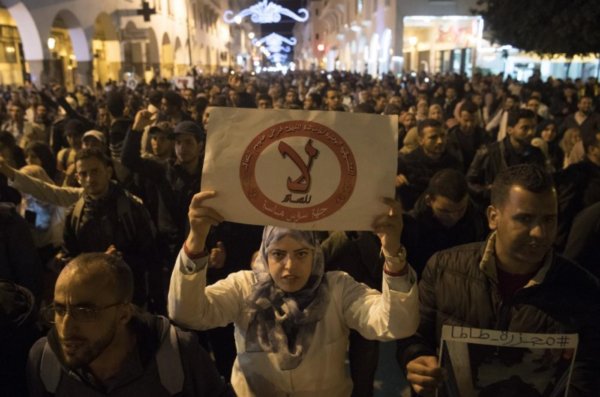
(84, 73)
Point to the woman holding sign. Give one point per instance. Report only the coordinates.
(292, 320)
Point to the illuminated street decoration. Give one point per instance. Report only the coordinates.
(265, 12)
(275, 43)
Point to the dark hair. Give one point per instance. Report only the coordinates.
(531, 177)
(173, 99)
(469, 107)
(517, 114)
(110, 266)
(426, 124)
(448, 183)
(366, 107)
(93, 153)
(115, 103)
(155, 97)
(589, 139)
(44, 153)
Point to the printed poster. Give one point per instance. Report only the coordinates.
(308, 170)
(489, 363)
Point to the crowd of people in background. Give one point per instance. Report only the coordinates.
(113, 169)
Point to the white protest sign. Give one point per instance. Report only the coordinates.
(308, 170)
(483, 362)
(183, 82)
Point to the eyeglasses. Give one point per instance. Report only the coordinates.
(79, 313)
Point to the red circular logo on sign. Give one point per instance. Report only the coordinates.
(298, 187)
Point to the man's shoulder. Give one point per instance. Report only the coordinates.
(462, 258)
(36, 351)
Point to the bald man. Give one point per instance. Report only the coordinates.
(102, 344)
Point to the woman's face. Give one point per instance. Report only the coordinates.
(32, 159)
(549, 133)
(290, 263)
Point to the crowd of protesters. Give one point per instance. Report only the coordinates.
(113, 169)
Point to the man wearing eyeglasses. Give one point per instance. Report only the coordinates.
(100, 345)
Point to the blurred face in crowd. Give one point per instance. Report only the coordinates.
(290, 263)
(32, 159)
(15, 113)
(91, 142)
(162, 146)
(533, 104)
(446, 211)
(103, 116)
(93, 176)
(74, 140)
(433, 142)
(522, 133)
(585, 105)
(309, 103)
(291, 97)
(333, 99)
(187, 148)
(408, 120)
(87, 317)
(525, 226)
(41, 114)
(396, 100)
(549, 132)
(264, 104)
(435, 112)
(188, 95)
(466, 122)
(450, 93)
(509, 103)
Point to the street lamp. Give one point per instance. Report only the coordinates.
(51, 43)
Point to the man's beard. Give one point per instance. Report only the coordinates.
(90, 351)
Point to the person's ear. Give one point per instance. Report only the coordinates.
(126, 313)
(428, 200)
(492, 215)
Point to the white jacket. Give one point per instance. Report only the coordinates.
(392, 314)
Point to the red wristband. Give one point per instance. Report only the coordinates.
(403, 272)
(194, 255)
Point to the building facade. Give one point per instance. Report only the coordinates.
(85, 41)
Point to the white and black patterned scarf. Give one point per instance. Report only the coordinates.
(284, 323)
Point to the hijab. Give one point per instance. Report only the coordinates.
(284, 323)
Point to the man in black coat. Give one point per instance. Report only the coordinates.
(416, 168)
(512, 282)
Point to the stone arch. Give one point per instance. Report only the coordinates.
(81, 47)
(152, 56)
(28, 31)
(106, 49)
(167, 57)
(180, 58)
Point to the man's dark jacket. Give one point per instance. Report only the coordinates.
(418, 168)
(456, 290)
(578, 187)
(493, 158)
(100, 226)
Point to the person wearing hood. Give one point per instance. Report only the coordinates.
(101, 344)
(292, 320)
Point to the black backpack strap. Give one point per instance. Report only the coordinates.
(76, 214)
(125, 216)
(50, 369)
(168, 359)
